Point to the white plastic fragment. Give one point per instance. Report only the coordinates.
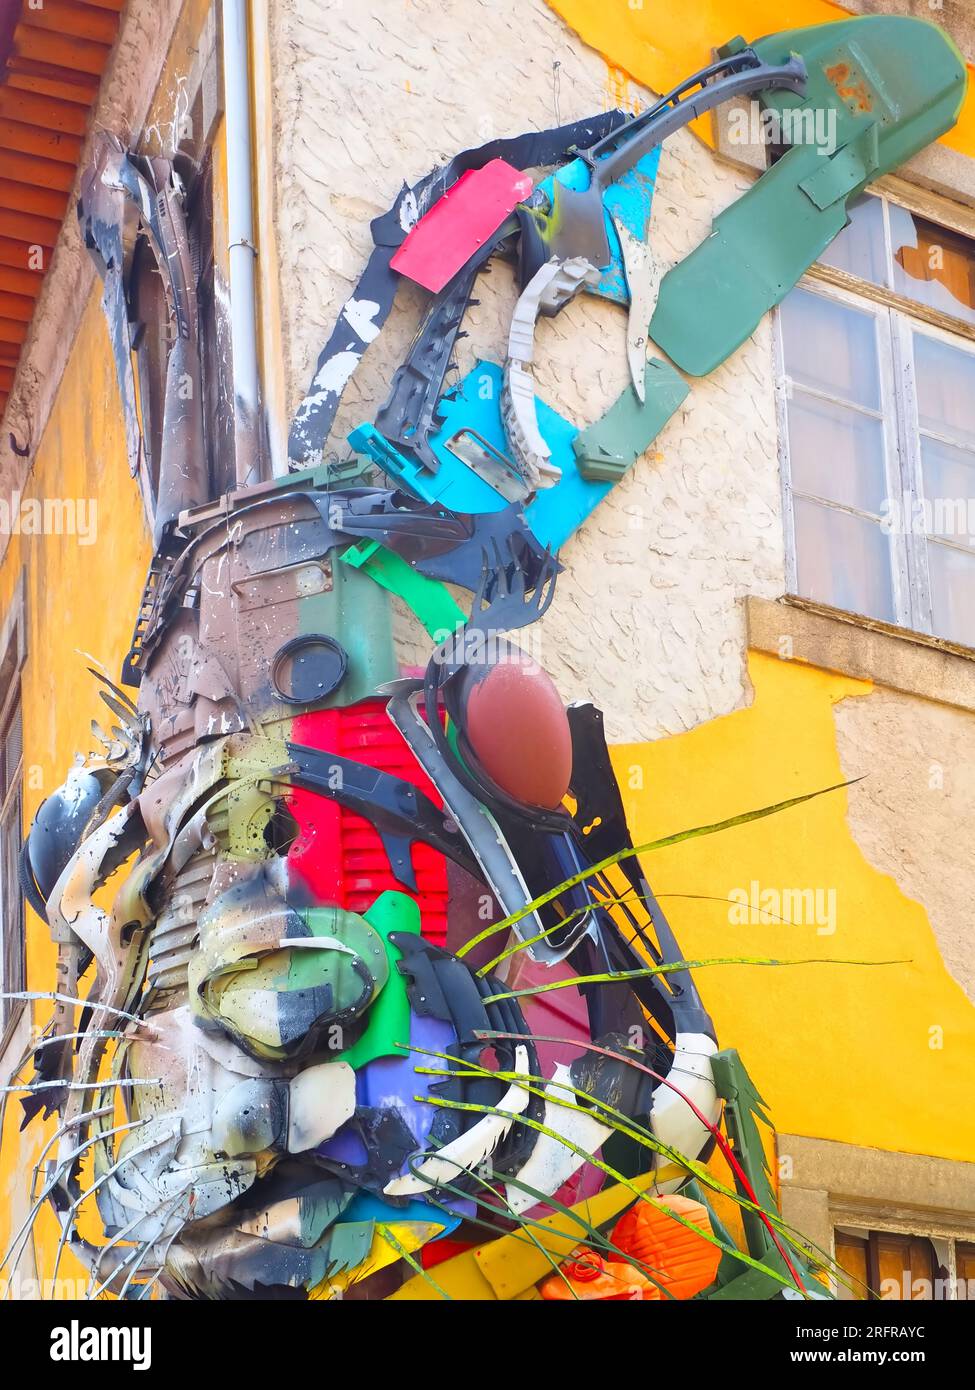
(549, 289)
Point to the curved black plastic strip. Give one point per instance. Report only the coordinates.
(399, 810)
(593, 784)
(575, 225)
(408, 416)
(340, 663)
(449, 546)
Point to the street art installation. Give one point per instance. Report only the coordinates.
(362, 991)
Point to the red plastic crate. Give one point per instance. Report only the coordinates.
(338, 854)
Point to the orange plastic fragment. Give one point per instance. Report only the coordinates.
(587, 1276)
(680, 1260)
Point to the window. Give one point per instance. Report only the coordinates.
(12, 962)
(904, 1266)
(877, 388)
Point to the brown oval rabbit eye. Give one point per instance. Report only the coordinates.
(517, 728)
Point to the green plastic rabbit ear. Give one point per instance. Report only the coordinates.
(880, 88)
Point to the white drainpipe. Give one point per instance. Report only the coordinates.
(242, 248)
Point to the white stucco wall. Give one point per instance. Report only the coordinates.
(371, 92)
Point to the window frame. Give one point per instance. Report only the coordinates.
(867, 1228)
(905, 330)
(896, 320)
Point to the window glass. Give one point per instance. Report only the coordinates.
(881, 407)
(952, 579)
(949, 491)
(832, 348)
(932, 265)
(843, 560)
(859, 249)
(945, 388)
(836, 452)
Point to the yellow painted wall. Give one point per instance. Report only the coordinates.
(660, 43)
(838, 1052)
(79, 598)
(82, 599)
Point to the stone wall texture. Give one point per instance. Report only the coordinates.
(369, 93)
(910, 815)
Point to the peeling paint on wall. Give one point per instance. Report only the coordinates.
(878, 1056)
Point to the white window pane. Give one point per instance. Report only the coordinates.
(843, 560)
(831, 348)
(952, 574)
(949, 490)
(860, 249)
(945, 388)
(836, 452)
(933, 265)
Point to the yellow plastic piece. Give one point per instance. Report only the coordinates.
(407, 1235)
(509, 1268)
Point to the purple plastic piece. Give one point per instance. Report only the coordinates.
(393, 1082)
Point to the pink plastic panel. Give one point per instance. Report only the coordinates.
(458, 224)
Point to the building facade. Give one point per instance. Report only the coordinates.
(778, 597)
